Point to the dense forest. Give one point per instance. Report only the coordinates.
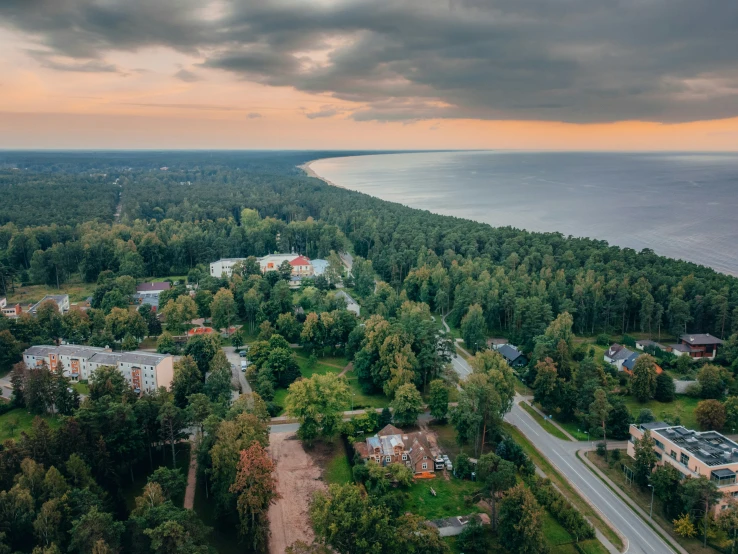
(189, 213)
(109, 220)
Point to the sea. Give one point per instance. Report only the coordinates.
(681, 205)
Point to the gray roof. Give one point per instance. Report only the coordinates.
(618, 352)
(40, 350)
(142, 357)
(509, 352)
(681, 347)
(631, 360)
(58, 298)
(79, 351)
(710, 447)
(649, 342)
(347, 296)
(700, 339)
(153, 287)
(106, 358)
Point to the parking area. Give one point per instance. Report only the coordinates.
(239, 377)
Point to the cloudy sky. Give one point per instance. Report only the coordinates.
(553, 74)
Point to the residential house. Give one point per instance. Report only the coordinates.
(617, 354)
(351, 304)
(648, 343)
(153, 288)
(393, 446)
(224, 267)
(512, 355)
(629, 363)
(11, 311)
(696, 346)
(694, 454)
(3, 302)
(61, 300)
(144, 371)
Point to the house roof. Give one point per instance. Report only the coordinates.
(343, 294)
(681, 347)
(300, 260)
(704, 339)
(389, 429)
(649, 342)
(150, 287)
(629, 363)
(618, 352)
(509, 352)
(58, 298)
(142, 358)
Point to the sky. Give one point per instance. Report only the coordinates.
(370, 74)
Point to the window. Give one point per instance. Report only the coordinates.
(404, 457)
(388, 458)
(673, 454)
(684, 459)
(659, 444)
(424, 466)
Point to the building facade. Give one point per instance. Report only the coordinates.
(144, 371)
(392, 446)
(61, 300)
(301, 265)
(694, 454)
(696, 346)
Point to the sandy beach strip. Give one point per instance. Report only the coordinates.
(311, 173)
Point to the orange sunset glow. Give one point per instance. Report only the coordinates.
(98, 88)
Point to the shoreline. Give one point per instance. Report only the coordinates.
(306, 167)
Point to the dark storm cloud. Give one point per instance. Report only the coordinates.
(569, 60)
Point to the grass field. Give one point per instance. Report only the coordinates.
(563, 485)
(82, 388)
(362, 400)
(338, 469)
(77, 291)
(643, 499)
(545, 423)
(318, 369)
(25, 421)
(338, 362)
(683, 407)
(449, 499)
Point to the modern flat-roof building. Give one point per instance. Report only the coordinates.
(702, 345)
(61, 300)
(144, 371)
(694, 454)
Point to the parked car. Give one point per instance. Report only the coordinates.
(244, 365)
(242, 353)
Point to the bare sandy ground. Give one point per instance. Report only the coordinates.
(297, 479)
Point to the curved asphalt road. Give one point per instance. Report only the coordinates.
(641, 539)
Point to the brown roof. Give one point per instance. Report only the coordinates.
(147, 287)
(361, 449)
(389, 429)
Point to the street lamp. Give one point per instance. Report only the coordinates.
(352, 401)
(590, 444)
(651, 510)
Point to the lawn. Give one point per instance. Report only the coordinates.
(77, 291)
(563, 485)
(318, 369)
(337, 361)
(683, 408)
(338, 469)
(543, 422)
(362, 400)
(25, 421)
(643, 499)
(449, 499)
(447, 441)
(82, 388)
(142, 470)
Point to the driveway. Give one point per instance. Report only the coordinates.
(239, 377)
(640, 537)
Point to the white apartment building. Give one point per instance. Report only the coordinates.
(301, 266)
(144, 371)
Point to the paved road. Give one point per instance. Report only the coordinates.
(562, 454)
(239, 377)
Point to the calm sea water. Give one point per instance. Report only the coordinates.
(680, 205)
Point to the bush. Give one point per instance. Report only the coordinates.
(273, 409)
(665, 388)
(472, 539)
(694, 390)
(629, 341)
(645, 416)
(602, 449)
(560, 508)
(615, 456)
(463, 467)
(603, 339)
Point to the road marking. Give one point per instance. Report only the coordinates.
(522, 420)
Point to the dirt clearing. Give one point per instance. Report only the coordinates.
(298, 477)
